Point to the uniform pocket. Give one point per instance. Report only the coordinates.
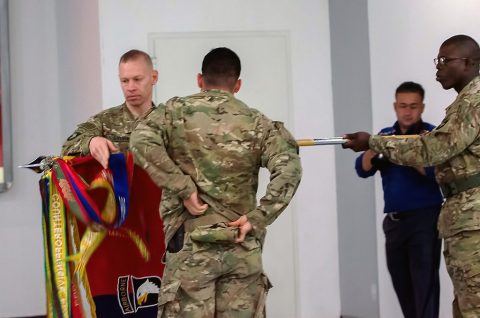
(168, 302)
(462, 259)
(250, 243)
(215, 233)
(264, 287)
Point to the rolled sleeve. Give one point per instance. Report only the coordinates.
(280, 157)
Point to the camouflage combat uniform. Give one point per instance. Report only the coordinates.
(213, 143)
(454, 148)
(115, 124)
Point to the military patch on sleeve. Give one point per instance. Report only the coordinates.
(74, 135)
(285, 134)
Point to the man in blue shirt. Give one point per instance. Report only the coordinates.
(412, 205)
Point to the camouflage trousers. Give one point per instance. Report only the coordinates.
(207, 280)
(462, 258)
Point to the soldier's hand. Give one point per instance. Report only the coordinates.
(100, 149)
(357, 141)
(195, 205)
(244, 226)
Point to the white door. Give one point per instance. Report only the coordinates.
(266, 86)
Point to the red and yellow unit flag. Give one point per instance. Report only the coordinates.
(63, 286)
(78, 188)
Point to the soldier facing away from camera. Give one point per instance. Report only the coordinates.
(205, 151)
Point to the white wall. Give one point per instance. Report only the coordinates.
(35, 122)
(79, 72)
(126, 24)
(50, 92)
(55, 84)
(404, 38)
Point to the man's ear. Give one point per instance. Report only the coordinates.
(237, 86)
(200, 82)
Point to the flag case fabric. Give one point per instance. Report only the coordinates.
(123, 274)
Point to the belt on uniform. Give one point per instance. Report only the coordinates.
(453, 188)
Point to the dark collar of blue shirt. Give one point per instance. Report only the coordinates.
(414, 129)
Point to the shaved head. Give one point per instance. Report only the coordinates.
(460, 64)
(466, 46)
(135, 55)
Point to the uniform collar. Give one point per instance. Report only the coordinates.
(217, 91)
(475, 82)
(125, 108)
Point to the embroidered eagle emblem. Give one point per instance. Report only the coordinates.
(146, 288)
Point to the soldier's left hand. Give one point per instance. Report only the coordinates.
(195, 205)
(244, 226)
(357, 141)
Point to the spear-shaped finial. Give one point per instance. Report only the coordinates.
(40, 164)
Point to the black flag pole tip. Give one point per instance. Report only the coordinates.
(39, 165)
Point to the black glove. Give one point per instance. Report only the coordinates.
(380, 162)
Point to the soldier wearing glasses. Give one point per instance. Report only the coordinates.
(454, 149)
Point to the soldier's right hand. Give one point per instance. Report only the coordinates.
(195, 205)
(357, 141)
(100, 149)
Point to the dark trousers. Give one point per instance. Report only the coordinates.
(107, 306)
(413, 260)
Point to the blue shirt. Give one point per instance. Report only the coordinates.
(404, 188)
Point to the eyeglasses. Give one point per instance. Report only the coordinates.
(442, 60)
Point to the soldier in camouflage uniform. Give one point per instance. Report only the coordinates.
(205, 151)
(110, 129)
(454, 148)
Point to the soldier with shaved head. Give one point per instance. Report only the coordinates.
(109, 130)
(454, 149)
(105, 133)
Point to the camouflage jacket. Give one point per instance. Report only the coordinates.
(115, 124)
(213, 143)
(453, 147)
